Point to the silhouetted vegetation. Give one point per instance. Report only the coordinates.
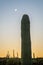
(17, 61)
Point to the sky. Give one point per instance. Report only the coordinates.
(11, 12)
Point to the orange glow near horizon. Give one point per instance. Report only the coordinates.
(3, 53)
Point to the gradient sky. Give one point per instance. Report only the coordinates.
(11, 12)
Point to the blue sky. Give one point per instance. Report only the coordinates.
(10, 25)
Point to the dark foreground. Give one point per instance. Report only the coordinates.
(17, 61)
